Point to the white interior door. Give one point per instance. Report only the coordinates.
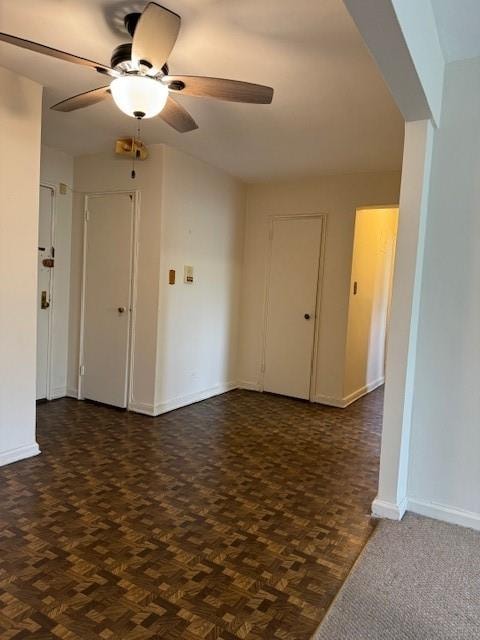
(44, 291)
(107, 297)
(291, 305)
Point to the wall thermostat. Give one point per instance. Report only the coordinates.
(188, 274)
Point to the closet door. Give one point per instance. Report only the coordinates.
(291, 305)
(107, 298)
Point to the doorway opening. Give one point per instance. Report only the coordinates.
(370, 297)
(108, 297)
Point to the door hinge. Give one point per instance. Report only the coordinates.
(82, 370)
(87, 215)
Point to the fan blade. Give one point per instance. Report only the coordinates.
(54, 53)
(220, 88)
(82, 100)
(155, 36)
(177, 117)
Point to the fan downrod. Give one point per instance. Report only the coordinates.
(130, 21)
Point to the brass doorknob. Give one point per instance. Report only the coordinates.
(307, 316)
(121, 309)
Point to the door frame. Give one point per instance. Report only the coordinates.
(319, 293)
(134, 248)
(51, 311)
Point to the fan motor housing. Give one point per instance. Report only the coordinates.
(122, 57)
(122, 53)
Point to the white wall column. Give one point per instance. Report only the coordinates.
(391, 500)
(20, 123)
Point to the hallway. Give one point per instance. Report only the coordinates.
(237, 517)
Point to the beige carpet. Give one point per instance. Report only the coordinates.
(415, 580)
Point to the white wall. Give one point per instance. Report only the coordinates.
(107, 172)
(57, 167)
(372, 271)
(444, 475)
(20, 123)
(203, 212)
(338, 196)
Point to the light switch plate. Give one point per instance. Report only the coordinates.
(188, 274)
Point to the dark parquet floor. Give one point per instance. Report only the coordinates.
(238, 517)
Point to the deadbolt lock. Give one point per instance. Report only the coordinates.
(44, 303)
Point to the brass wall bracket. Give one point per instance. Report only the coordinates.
(129, 147)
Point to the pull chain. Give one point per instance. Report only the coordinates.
(136, 155)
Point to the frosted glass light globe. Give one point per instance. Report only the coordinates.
(139, 96)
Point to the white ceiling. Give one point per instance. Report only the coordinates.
(458, 23)
(331, 111)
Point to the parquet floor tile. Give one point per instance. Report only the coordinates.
(235, 518)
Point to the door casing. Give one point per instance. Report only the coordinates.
(133, 287)
(271, 221)
(51, 310)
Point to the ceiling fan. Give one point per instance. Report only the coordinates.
(141, 84)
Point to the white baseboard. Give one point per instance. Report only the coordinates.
(143, 408)
(20, 453)
(359, 393)
(181, 401)
(344, 402)
(58, 392)
(249, 386)
(331, 401)
(389, 510)
(392, 511)
(443, 512)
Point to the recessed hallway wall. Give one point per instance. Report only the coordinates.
(339, 197)
(191, 213)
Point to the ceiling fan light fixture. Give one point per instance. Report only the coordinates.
(142, 79)
(136, 94)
